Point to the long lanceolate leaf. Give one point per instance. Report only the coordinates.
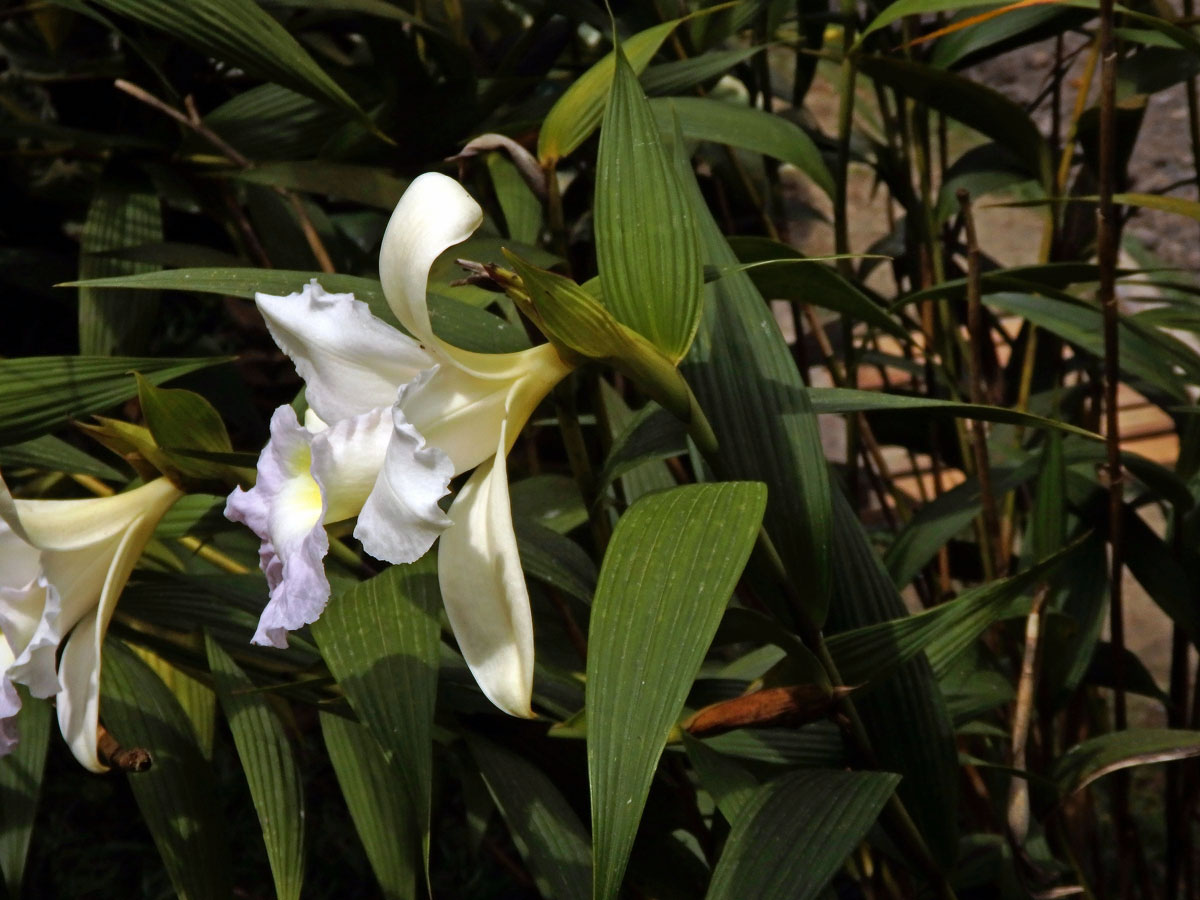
(118, 321)
(747, 383)
(380, 640)
(20, 784)
(376, 797)
(646, 246)
(41, 393)
(270, 768)
(176, 796)
(905, 715)
(241, 33)
(669, 571)
(796, 832)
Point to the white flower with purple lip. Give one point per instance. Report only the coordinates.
(63, 564)
(391, 420)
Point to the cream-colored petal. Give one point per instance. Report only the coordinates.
(79, 524)
(434, 214)
(351, 362)
(483, 588)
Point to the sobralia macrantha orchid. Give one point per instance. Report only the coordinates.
(63, 564)
(391, 420)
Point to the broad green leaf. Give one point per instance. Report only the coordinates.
(459, 324)
(271, 122)
(40, 393)
(177, 795)
(704, 119)
(521, 207)
(668, 573)
(184, 420)
(969, 102)
(555, 559)
(120, 322)
(20, 785)
(381, 8)
(552, 841)
(796, 832)
(49, 452)
(549, 500)
(196, 699)
(744, 376)
(813, 283)
(578, 111)
(376, 797)
(905, 715)
(639, 442)
(270, 767)
(1107, 753)
(381, 642)
(646, 245)
(368, 185)
(241, 33)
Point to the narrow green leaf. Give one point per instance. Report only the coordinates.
(812, 283)
(369, 185)
(377, 799)
(120, 322)
(521, 207)
(796, 832)
(1178, 205)
(640, 441)
(241, 33)
(1107, 753)
(184, 420)
(578, 111)
(270, 767)
(704, 119)
(667, 576)
(646, 244)
(177, 795)
(270, 122)
(458, 323)
(676, 77)
(51, 453)
(20, 785)
(40, 393)
(731, 786)
(381, 642)
(550, 837)
(555, 559)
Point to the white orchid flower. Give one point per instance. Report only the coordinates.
(63, 564)
(392, 419)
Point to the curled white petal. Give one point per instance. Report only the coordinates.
(10, 700)
(351, 361)
(401, 518)
(286, 509)
(483, 588)
(434, 214)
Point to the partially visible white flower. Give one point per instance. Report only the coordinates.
(63, 564)
(395, 418)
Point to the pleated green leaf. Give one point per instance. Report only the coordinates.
(646, 245)
(577, 112)
(459, 323)
(40, 393)
(378, 802)
(743, 374)
(51, 453)
(1099, 756)
(867, 653)
(20, 785)
(176, 796)
(118, 322)
(905, 715)
(270, 766)
(380, 640)
(552, 841)
(703, 119)
(667, 576)
(241, 33)
(796, 832)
